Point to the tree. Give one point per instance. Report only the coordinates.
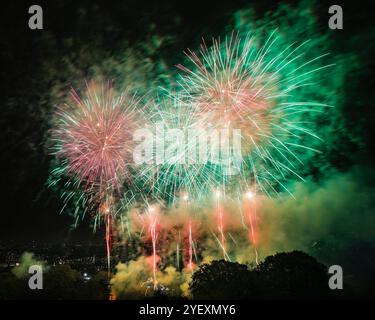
(11, 287)
(223, 280)
(293, 275)
(62, 282)
(97, 288)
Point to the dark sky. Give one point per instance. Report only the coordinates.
(31, 63)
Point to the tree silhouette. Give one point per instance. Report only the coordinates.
(97, 288)
(223, 280)
(62, 282)
(59, 283)
(293, 275)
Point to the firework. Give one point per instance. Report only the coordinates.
(94, 135)
(153, 234)
(235, 86)
(242, 86)
(148, 222)
(190, 263)
(233, 124)
(93, 144)
(250, 210)
(186, 155)
(175, 162)
(220, 224)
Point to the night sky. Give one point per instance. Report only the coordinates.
(37, 68)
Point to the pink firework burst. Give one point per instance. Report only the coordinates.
(95, 137)
(231, 87)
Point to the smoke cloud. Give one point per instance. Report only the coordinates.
(27, 260)
(323, 219)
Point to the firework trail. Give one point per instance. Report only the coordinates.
(250, 209)
(106, 213)
(220, 224)
(93, 144)
(178, 253)
(190, 264)
(190, 235)
(152, 221)
(154, 237)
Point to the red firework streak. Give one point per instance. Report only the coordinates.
(153, 234)
(190, 237)
(108, 241)
(106, 213)
(220, 226)
(250, 211)
(190, 248)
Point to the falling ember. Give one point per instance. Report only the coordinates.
(250, 210)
